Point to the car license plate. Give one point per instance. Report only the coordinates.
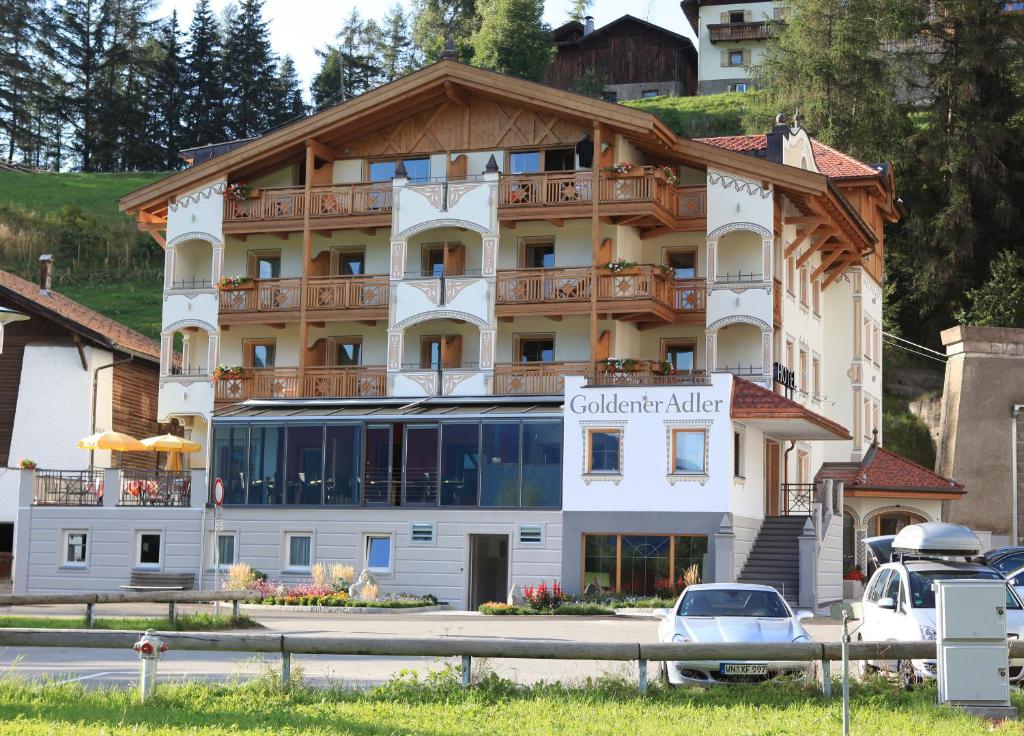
(743, 669)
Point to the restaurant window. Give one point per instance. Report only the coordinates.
(148, 549)
(420, 467)
(377, 475)
(642, 564)
(688, 451)
(679, 354)
(349, 262)
(259, 353)
(347, 351)
(264, 264)
(266, 465)
(460, 464)
(537, 253)
(534, 348)
(417, 169)
(499, 481)
(342, 457)
(229, 460)
(682, 262)
(299, 550)
(76, 548)
(604, 451)
(304, 474)
(542, 465)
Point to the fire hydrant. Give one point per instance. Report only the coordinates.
(149, 648)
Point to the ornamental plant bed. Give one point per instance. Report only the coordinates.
(343, 601)
(564, 609)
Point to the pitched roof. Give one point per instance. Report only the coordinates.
(79, 318)
(832, 163)
(750, 401)
(884, 470)
(597, 32)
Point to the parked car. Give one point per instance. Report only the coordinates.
(1005, 559)
(899, 599)
(731, 612)
(1016, 580)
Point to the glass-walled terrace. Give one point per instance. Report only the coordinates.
(454, 464)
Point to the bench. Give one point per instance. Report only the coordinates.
(144, 582)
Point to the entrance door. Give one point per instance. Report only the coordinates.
(772, 477)
(488, 569)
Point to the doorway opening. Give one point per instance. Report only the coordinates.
(488, 569)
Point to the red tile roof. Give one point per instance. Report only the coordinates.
(79, 318)
(832, 163)
(750, 401)
(882, 469)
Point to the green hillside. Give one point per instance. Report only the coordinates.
(700, 117)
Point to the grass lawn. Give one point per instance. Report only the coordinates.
(441, 708)
(702, 116)
(185, 622)
(92, 192)
(137, 304)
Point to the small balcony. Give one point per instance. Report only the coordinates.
(535, 379)
(284, 208)
(329, 297)
(753, 31)
(644, 373)
(316, 382)
(155, 488)
(640, 293)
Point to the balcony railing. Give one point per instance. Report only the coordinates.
(315, 382)
(289, 203)
(322, 293)
(68, 488)
(155, 488)
(538, 379)
(753, 31)
(797, 498)
(644, 373)
(562, 285)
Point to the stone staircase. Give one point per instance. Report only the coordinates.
(775, 557)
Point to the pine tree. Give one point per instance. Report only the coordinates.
(204, 107)
(20, 71)
(249, 71)
(131, 61)
(579, 10)
(166, 95)
(288, 102)
(435, 20)
(395, 52)
(327, 88)
(513, 38)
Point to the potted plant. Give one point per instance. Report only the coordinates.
(668, 173)
(853, 584)
(234, 283)
(619, 265)
(237, 192)
(27, 464)
(619, 168)
(224, 372)
(662, 367)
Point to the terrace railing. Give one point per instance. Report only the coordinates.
(537, 379)
(155, 488)
(68, 488)
(347, 292)
(289, 203)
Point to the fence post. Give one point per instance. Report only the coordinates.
(467, 669)
(286, 669)
(235, 612)
(172, 613)
(826, 677)
(642, 665)
(90, 614)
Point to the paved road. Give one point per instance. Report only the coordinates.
(119, 667)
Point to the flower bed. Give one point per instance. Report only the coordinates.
(564, 609)
(341, 600)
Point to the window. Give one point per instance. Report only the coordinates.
(346, 350)
(736, 58)
(560, 159)
(803, 467)
(682, 262)
(551, 159)
(264, 264)
(803, 371)
(738, 87)
(736, 16)
(535, 348)
(604, 451)
(791, 276)
(229, 446)
(537, 254)
(876, 423)
(378, 553)
(460, 463)
(804, 284)
(642, 564)
(266, 465)
(679, 354)
(342, 456)
(430, 351)
(737, 453)
(304, 463)
(349, 262)
(223, 552)
(876, 339)
(878, 584)
(816, 297)
(866, 338)
(76, 548)
(849, 542)
(610, 96)
(300, 551)
(417, 169)
(147, 549)
(867, 419)
(433, 260)
(816, 376)
(648, 94)
(542, 465)
(259, 353)
(790, 354)
(688, 451)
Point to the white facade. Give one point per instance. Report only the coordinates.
(723, 64)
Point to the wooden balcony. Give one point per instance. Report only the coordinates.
(537, 379)
(327, 298)
(644, 293)
(754, 31)
(645, 197)
(335, 206)
(316, 382)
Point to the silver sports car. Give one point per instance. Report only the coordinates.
(726, 612)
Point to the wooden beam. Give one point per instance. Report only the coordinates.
(655, 232)
(826, 262)
(371, 231)
(151, 219)
(595, 236)
(282, 235)
(321, 151)
(806, 255)
(557, 222)
(456, 94)
(803, 220)
(276, 325)
(368, 322)
(837, 273)
(307, 257)
(160, 239)
(791, 248)
(554, 317)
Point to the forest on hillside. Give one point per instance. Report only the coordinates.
(933, 88)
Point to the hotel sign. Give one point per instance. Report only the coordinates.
(785, 377)
(693, 402)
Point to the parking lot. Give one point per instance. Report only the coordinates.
(108, 666)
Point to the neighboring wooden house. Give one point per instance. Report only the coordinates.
(628, 59)
(56, 386)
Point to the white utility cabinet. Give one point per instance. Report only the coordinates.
(970, 632)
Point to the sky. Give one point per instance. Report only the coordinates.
(297, 27)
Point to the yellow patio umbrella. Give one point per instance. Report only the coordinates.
(173, 446)
(110, 440)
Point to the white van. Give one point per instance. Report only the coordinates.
(899, 600)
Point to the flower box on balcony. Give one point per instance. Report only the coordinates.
(236, 283)
(226, 372)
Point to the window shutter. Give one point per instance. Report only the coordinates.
(316, 354)
(451, 351)
(724, 18)
(748, 16)
(746, 57)
(725, 58)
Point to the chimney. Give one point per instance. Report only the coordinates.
(779, 132)
(45, 273)
(588, 25)
(449, 49)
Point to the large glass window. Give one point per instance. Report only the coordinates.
(229, 460)
(682, 262)
(542, 464)
(460, 462)
(689, 551)
(643, 564)
(343, 458)
(524, 162)
(377, 476)
(679, 355)
(500, 477)
(535, 348)
(600, 560)
(418, 169)
(421, 463)
(266, 462)
(304, 475)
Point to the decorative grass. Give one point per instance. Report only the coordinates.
(436, 706)
(185, 622)
(334, 601)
